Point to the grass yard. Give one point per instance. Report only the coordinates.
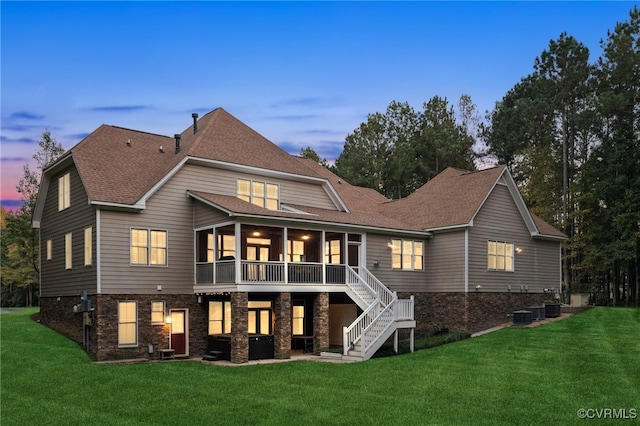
(541, 375)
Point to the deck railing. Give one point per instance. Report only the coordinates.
(305, 272)
(335, 274)
(256, 271)
(224, 271)
(204, 272)
(404, 309)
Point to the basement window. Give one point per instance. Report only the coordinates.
(128, 323)
(297, 319)
(157, 313)
(219, 317)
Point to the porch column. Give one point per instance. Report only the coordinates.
(239, 327)
(282, 332)
(320, 322)
(238, 238)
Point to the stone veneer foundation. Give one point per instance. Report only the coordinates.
(57, 314)
(470, 312)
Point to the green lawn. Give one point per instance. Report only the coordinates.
(540, 375)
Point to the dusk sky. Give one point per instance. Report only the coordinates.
(301, 74)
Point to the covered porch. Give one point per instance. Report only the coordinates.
(251, 254)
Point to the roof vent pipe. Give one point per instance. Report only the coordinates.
(195, 122)
(177, 136)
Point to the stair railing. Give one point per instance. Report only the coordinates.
(353, 333)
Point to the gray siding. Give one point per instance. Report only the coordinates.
(537, 266)
(169, 209)
(55, 279)
(445, 262)
(396, 280)
(205, 179)
(204, 215)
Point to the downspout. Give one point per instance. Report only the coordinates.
(466, 260)
(39, 262)
(98, 257)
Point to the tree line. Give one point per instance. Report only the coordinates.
(569, 133)
(19, 242)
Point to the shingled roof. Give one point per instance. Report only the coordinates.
(356, 198)
(452, 199)
(119, 165)
(449, 199)
(236, 207)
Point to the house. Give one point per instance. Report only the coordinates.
(217, 242)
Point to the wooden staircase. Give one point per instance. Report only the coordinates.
(383, 314)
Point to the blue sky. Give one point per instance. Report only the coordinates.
(301, 74)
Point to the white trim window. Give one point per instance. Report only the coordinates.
(219, 317)
(500, 256)
(261, 194)
(157, 312)
(148, 247)
(88, 246)
(68, 251)
(128, 323)
(297, 319)
(49, 249)
(64, 191)
(407, 255)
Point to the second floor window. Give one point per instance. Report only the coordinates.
(64, 191)
(261, 194)
(88, 252)
(68, 251)
(148, 247)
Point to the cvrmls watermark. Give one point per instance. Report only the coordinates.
(608, 413)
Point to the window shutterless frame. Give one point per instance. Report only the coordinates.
(127, 323)
(146, 245)
(260, 193)
(500, 256)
